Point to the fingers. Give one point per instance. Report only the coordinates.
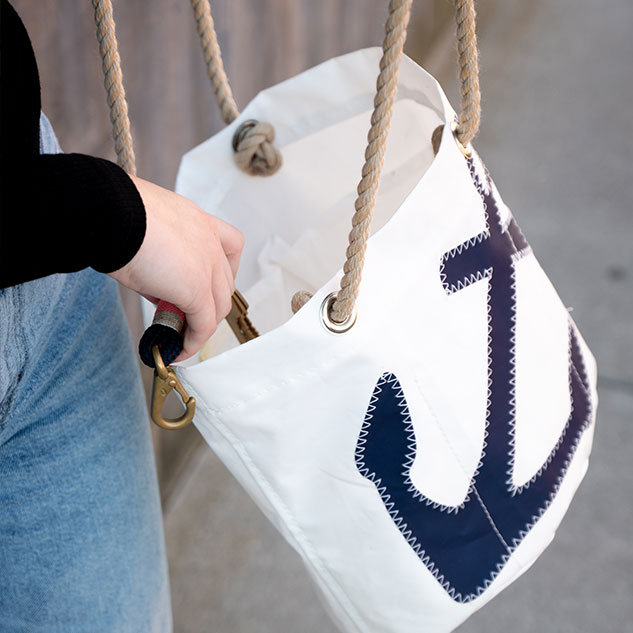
(232, 244)
(189, 258)
(200, 326)
(227, 270)
(222, 291)
(214, 306)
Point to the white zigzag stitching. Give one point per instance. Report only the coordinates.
(512, 488)
(512, 453)
(570, 454)
(469, 243)
(390, 379)
(574, 371)
(472, 278)
(487, 273)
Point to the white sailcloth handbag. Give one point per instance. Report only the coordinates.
(420, 461)
(420, 453)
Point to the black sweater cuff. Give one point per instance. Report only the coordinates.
(65, 212)
(103, 203)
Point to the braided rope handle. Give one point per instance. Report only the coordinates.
(169, 320)
(342, 308)
(386, 88)
(470, 116)
(213, 60)
(255, 153)
(259, 155)
(113, 81)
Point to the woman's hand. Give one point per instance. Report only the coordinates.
(189, 258)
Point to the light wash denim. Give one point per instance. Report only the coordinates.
(81, 537)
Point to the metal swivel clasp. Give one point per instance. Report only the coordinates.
(165, 380)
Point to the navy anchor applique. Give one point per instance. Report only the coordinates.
(466, 546)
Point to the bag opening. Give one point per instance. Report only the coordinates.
(300, 219)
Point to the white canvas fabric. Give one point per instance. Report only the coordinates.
(421, 461)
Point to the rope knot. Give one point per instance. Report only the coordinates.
(299, 299)
(254, 150)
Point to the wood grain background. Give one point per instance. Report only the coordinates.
(171, 104)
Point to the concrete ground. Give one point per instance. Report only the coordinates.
(557, 137)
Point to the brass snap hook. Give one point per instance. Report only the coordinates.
(165, 380)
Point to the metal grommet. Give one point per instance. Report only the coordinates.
(466, 151)
(333, 326)
(241, 132)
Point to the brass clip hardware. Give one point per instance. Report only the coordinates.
(165, 380)
(238, 319)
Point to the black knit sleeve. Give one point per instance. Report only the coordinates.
(59, 212)
(65, 212)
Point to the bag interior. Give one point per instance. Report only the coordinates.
(296, 223)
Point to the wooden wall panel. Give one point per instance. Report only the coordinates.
(171, 105)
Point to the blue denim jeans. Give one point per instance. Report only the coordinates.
(81, 540)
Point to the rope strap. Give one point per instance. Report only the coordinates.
(253, 141)
(255, 153)
(213, 60)
(468, 125)
(386, 87)
(166, 331)
(113, 81)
